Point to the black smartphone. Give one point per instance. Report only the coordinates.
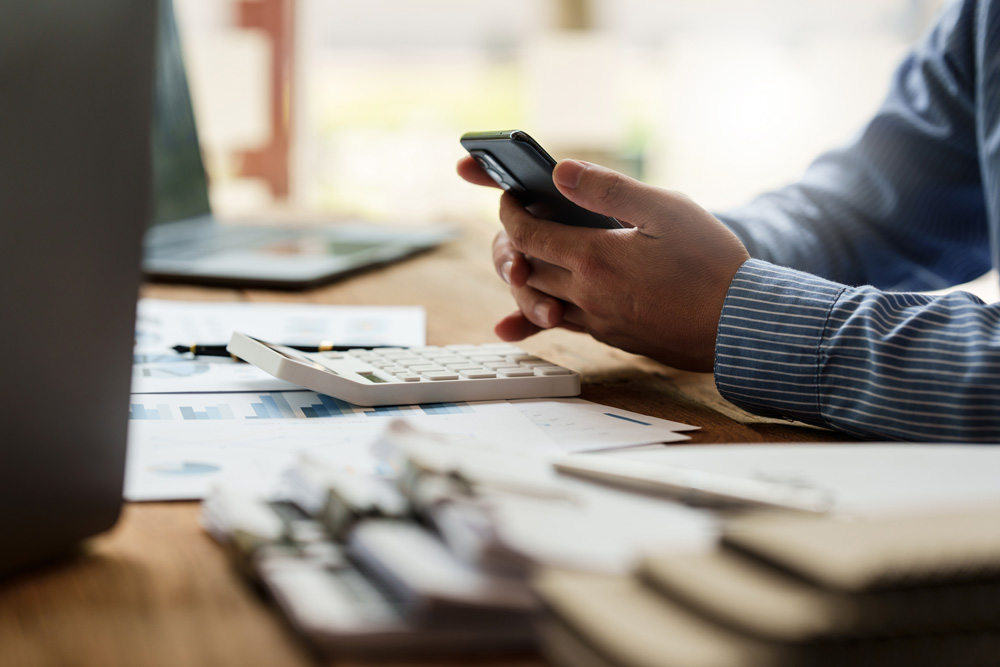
(521, 167)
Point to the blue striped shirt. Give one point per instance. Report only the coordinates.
(826, 323)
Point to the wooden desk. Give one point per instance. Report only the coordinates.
(157, 591)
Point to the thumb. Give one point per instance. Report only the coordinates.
(607, 192)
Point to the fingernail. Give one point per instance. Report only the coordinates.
(569, 173)
(542, 313)
(505, 271)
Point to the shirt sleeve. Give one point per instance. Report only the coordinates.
(892, 365)
(901, 207)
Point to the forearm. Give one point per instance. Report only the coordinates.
(880, 365)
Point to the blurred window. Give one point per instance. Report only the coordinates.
(716, 98)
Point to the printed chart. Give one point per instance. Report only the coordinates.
(270, 405)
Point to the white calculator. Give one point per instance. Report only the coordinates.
(408, 375)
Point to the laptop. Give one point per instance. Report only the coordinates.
(186, 243)
(75, 107)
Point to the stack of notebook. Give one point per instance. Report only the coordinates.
(792, 590)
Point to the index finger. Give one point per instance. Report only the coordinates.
(470, 170)
(552, 242)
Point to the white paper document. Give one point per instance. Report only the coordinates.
(577, 425)
(862, 479)
(160, 325)
(173, 373)
(181, 444)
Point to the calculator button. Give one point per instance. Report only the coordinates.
(411, 361)
(438, 354)
(518, 356)
(477, 374)
(483, 358)
(464, 366)
(441, 375)
(515, 372)
(461, 347)
(496, 365)
(427, 368)
(408, 377)
(552, 370)
(366, 357)
(450, 359)
(533, 362)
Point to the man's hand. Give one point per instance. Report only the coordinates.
(655, 289)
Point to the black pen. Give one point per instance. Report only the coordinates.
(220, 350)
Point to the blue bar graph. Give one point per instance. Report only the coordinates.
(272, 406)
(445, 408)
(327, 407)
(137, 411)
(221, 411)
(140, 411)
(278, 405)
(387, 411)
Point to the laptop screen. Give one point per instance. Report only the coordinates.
(180, 185)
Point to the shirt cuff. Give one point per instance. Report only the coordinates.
(770, 338)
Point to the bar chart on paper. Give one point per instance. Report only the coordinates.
(270, 405)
